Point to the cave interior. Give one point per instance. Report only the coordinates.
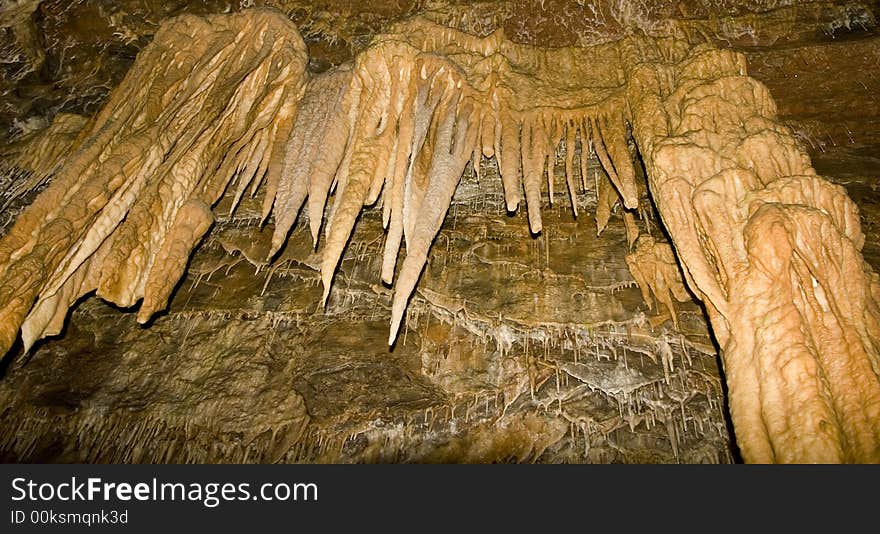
(216, 247)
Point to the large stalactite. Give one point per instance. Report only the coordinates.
(222, 102)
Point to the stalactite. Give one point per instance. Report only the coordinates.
(185, 121)
(400, 97)
(653, 266)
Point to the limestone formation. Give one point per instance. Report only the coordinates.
(653, 266)
(770, 248)
(133, 197)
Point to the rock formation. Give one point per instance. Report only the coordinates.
(770, 248)
(132, 196)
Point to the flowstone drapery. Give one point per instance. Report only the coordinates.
(225, 101)
(132, 196)
(771, 249)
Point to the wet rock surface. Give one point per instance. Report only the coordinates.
(514, 349)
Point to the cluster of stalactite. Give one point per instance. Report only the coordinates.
(401, 125)
(225, 102)
(210, 100)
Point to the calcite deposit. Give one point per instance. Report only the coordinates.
(222, 109)
(770, 248)
(132, 196)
